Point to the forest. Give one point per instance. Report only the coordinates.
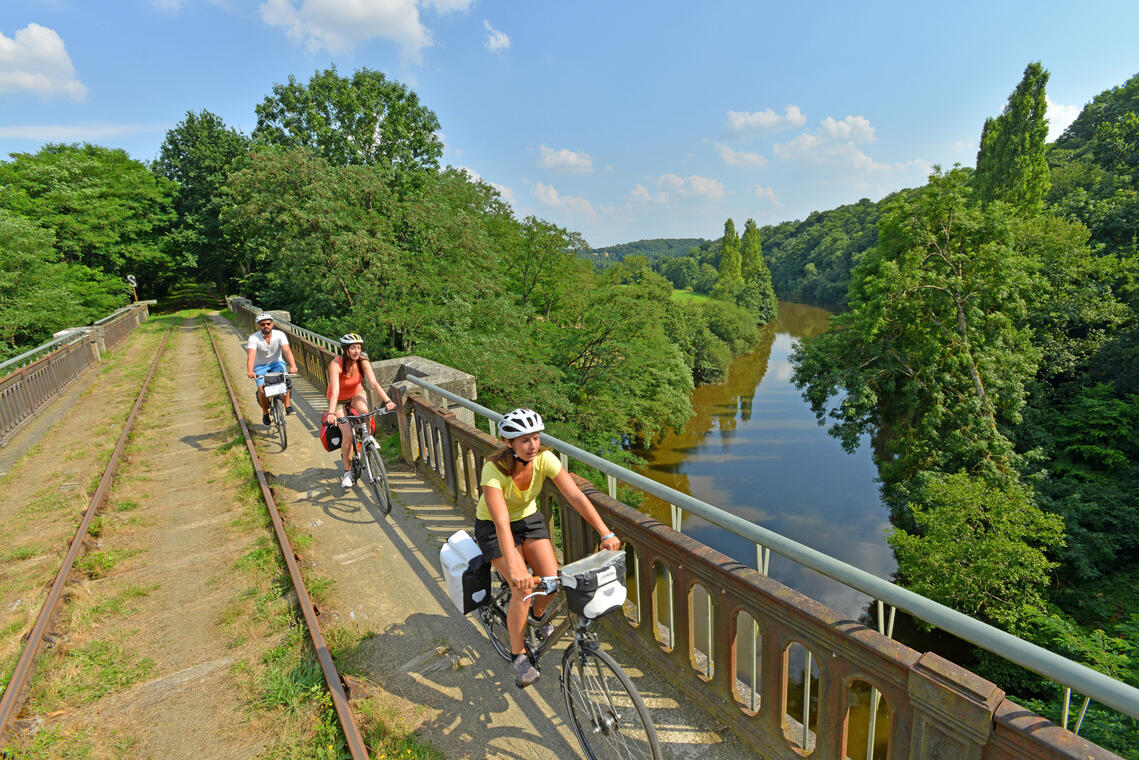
(986, 337)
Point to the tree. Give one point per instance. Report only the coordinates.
(41, 294)
(934, 348)
(757, 296)
(730, 262)
(1011, 163)
(199, 154)
(105, 210)
(366, 120)
(980, 548)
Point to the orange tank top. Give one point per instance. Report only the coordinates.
(349, 386)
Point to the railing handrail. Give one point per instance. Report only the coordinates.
(71, 337)
(1091, 683)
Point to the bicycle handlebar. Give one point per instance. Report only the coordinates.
(353, 417)
(546, 585)
(286, 374)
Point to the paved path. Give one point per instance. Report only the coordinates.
(387, 580)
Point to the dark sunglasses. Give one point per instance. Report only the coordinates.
(265, 322)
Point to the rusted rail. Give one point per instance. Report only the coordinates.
(16, 691)
(331, 676)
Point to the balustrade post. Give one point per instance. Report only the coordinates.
(402, 409)
(952, 709)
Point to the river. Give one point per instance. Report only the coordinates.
(754, 448)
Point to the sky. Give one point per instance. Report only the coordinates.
(620, 120)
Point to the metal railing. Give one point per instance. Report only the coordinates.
(784, 671)
(36, 377)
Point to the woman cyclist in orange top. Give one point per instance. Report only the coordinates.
(346, 376)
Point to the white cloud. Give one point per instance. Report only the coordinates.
(740, 158)
(550, 197)
(1059, 117)
(495, 40)
(36, 60)
(854, 128)
(746, 124)
(76, 132)
(338, 26)
(692, 186)
(641, 194)
(504, 191)
(800, 146)
(767, 194)
(565, 160)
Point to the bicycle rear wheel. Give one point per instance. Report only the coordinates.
(279, 420)
(605, 710)
(493, 618)
(377, 476)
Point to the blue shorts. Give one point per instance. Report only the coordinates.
(265, 369)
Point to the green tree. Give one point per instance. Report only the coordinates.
(367, 119)
(104, 209)
(980, 548)
(1011, 163)
(934, 347)
(757, 295)
(40, 294)
(730, 262)
(199, 154)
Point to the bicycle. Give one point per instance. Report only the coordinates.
(606, 712)
(277, 384)
(366, 461)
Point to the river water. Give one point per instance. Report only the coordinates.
(754, 448)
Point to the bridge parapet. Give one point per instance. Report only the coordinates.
(33, 379)
(790, 676)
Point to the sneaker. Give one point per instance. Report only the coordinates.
(289, 410)
(524, 671)
(347, 480)
(265, 419)
(543, 631)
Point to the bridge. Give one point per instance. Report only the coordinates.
(712, 644)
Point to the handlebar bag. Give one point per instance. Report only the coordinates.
(595, 586)
(276, 385)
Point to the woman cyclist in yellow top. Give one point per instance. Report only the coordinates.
(511, 531)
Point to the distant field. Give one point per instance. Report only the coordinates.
(688, 295)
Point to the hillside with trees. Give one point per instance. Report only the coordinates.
(988, 346)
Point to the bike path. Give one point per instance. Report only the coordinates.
(434, 667)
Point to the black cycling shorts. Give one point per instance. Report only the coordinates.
(528, 528)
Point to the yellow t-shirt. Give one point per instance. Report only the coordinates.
(518, 503)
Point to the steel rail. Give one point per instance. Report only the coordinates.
(13, 698)
(331, 675)
(1091, 683)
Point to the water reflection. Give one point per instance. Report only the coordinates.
(753, 447)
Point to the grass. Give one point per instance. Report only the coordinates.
(84, 674)
(99, 564)
(688, 295)
(21, 553)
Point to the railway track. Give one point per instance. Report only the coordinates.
(41, 634)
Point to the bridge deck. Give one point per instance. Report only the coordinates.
(423, 652)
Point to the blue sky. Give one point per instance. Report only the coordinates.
(620, 120)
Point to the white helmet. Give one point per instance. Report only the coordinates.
(263, 316)
(520, 422)
(349, 338)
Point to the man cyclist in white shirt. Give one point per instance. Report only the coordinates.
(265, 349)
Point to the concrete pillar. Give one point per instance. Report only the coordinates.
(952, 710)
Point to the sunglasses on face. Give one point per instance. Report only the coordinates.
(262, 324)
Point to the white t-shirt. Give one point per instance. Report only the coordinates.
(267, 352)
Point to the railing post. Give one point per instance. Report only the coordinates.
(952, 708)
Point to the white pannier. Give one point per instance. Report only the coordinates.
(595, 586)
(466, 572)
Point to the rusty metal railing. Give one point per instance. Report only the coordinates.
(790, 676)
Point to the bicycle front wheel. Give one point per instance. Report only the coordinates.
(377, 476)
(279, 419)
(605, 710)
